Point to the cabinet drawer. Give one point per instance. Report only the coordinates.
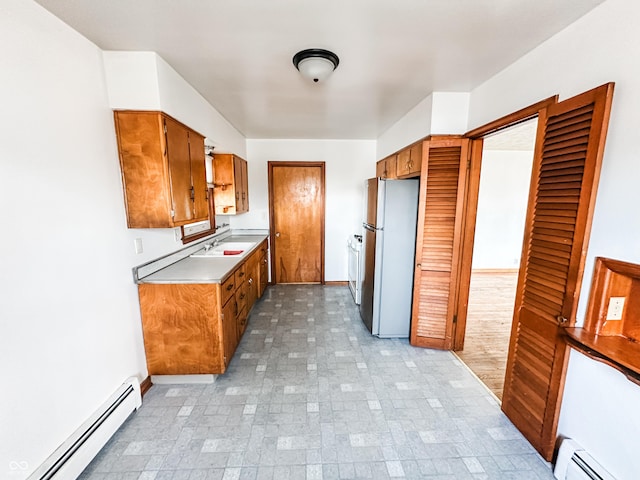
(227, 288)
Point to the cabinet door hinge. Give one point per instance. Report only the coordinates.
(173, 213)
(455, 319)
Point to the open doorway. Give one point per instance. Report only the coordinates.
(507, 159)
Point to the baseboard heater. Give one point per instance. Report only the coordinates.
(73, 456)
(574, 463)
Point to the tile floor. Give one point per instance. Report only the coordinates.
(310, 394)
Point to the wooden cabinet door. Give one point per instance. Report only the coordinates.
(415, 159)
(438, 245)
(237, 181)
(244, 182)
(179, 161)
(391, 166)
(403, 165)
(386, 168)
(296, 199)
(198, 177)
(229, 329)
(253, 279)
(145, 177)
(263, 275)
(567, 159)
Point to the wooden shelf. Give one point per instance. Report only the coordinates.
(619, 352)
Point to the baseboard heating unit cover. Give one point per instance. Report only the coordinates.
(574, 463)
(73, 456)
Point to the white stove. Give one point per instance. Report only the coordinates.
(355, 267)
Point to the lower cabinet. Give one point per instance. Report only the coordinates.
(196, 328)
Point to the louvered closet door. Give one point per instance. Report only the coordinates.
(567, 160)
(442, 189)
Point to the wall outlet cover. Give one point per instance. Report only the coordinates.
(616, 306)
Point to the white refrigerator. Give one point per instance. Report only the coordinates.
(389, 256)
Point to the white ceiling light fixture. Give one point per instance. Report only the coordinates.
(315, 63)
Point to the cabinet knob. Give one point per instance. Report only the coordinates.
(230, 286)
(277, 234)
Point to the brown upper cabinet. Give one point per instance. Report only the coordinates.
(163, 170)
(409, 161)
(386, 168)
(231, 187)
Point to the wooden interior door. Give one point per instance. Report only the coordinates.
(567, 158)
(443, 181)
(296, 203)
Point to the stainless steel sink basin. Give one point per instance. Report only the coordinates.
(226, 249)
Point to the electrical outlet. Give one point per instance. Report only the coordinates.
(616, 305)
(138, 245)
(177, 234)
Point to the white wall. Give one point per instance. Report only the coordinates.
(348, 164)
(414, 125)
(69, 318)
(69, 322)
(502, 208)
(439, 113)
(450, 112)
(145, 81)
(598, 48)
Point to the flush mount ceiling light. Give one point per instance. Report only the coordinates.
(315, 63)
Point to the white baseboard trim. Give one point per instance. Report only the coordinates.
(182, 379)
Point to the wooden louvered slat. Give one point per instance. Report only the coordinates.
(438, 223)
(566, 165)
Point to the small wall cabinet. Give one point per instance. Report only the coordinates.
(196, 328)
(409, 161)
(406, 163)
(231, 187)
(611, 331)
(386, 168)
(163, 170)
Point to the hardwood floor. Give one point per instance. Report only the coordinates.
(491, 300)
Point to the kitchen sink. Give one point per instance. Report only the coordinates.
(226, 249)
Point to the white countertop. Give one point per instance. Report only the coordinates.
(204, 269)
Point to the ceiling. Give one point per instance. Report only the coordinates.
(393, 53)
